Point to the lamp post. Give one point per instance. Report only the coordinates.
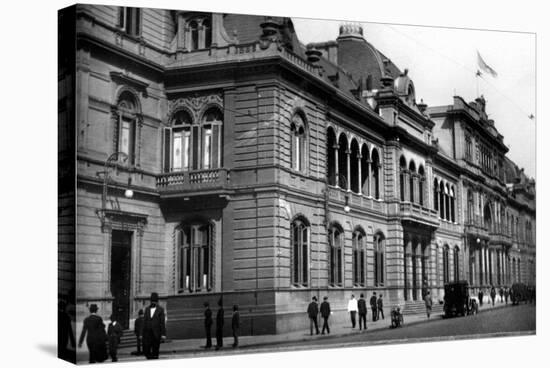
(128, 193)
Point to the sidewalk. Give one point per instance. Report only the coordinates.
(195, 347)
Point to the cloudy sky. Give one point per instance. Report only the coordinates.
(442, 62)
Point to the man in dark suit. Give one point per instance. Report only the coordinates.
(235, 325)
(325, 313)
(362, 308)
(114, 332)
(138, 331)
(154, 328)
(208, 325)
(380, 304)
(312, 312)
(219, 325)
(374, 306)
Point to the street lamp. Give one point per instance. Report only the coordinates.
(128, 193)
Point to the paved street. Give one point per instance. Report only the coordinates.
(500, 320)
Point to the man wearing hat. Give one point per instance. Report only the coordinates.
(312, 312)
(374, 306)
(325, 313)
(154, 328)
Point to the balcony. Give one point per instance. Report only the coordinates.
(475, 230)
(414, 212)
(356, 201)
(197, 182)
(500, 239)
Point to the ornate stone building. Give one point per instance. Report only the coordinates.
(217, 156)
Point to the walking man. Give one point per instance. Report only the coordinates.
(154, 328)
(362, 309)
(95, 330)
(325, 313)
(138, 331)
(114, 332)
(219, 325)
(428, 301)
(480, 297)
(312, 312)
(380, 307)
(506, 295)
(235, 325)
(352, 309)
(373, 307)
(208, 325)
(501, 294)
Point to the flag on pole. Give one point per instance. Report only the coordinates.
(484, 67)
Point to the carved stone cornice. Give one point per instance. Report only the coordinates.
(196, 104)
(121, 78)
(122, 220)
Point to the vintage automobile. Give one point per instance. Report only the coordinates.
(457, 299)
(518, 293)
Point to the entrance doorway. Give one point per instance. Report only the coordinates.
(121, 256)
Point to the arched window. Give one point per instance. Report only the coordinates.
(298, 150)
(365, 159)
(445, 264)
(211, 139)
(456, 264)
(379, 259)
(194, 257)
(359, 258)
(412, 173)
(402, 177)
(192, 146)
(207, 29)
(194, 32)
(421, 181)
(331, 157)
(376, 173)
(343, 161)
(355, 158)
(126, 129)
(336, 253)
(299, 233)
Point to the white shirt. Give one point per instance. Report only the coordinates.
(352, 305)
(153, 311)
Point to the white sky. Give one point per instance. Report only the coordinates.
(443, 61)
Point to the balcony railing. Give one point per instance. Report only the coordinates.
(193, 181)
(417, 213)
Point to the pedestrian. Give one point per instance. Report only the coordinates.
(493, 294)
(208, 325)
(219, 325)
(480, 297)
(114, 332)
(506, 295)
(373, 307)
(325, 313)
(94, 331)
(362, 309)
(501, 294)
(428, 302)
(352, 309)
(380, 306)
(138, 331)
(312, 312)
(65, 332)
(235, 325)
(154, 328)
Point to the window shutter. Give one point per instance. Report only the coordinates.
(215, 159)
(195, 142)
(167, 149)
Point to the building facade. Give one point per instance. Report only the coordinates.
(218, 157)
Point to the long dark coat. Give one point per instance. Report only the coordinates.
(94, 331)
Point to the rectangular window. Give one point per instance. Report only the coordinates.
(177, 151)
(127, 138)
(297, 153)
(130, 20)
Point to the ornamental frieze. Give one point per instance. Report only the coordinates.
(195, 104)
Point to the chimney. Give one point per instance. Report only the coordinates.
(313, 55)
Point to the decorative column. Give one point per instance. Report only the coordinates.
(415, 178)
(336, 165)
(419, 270)
(360, 179)
(408, 269)
(348, 159)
